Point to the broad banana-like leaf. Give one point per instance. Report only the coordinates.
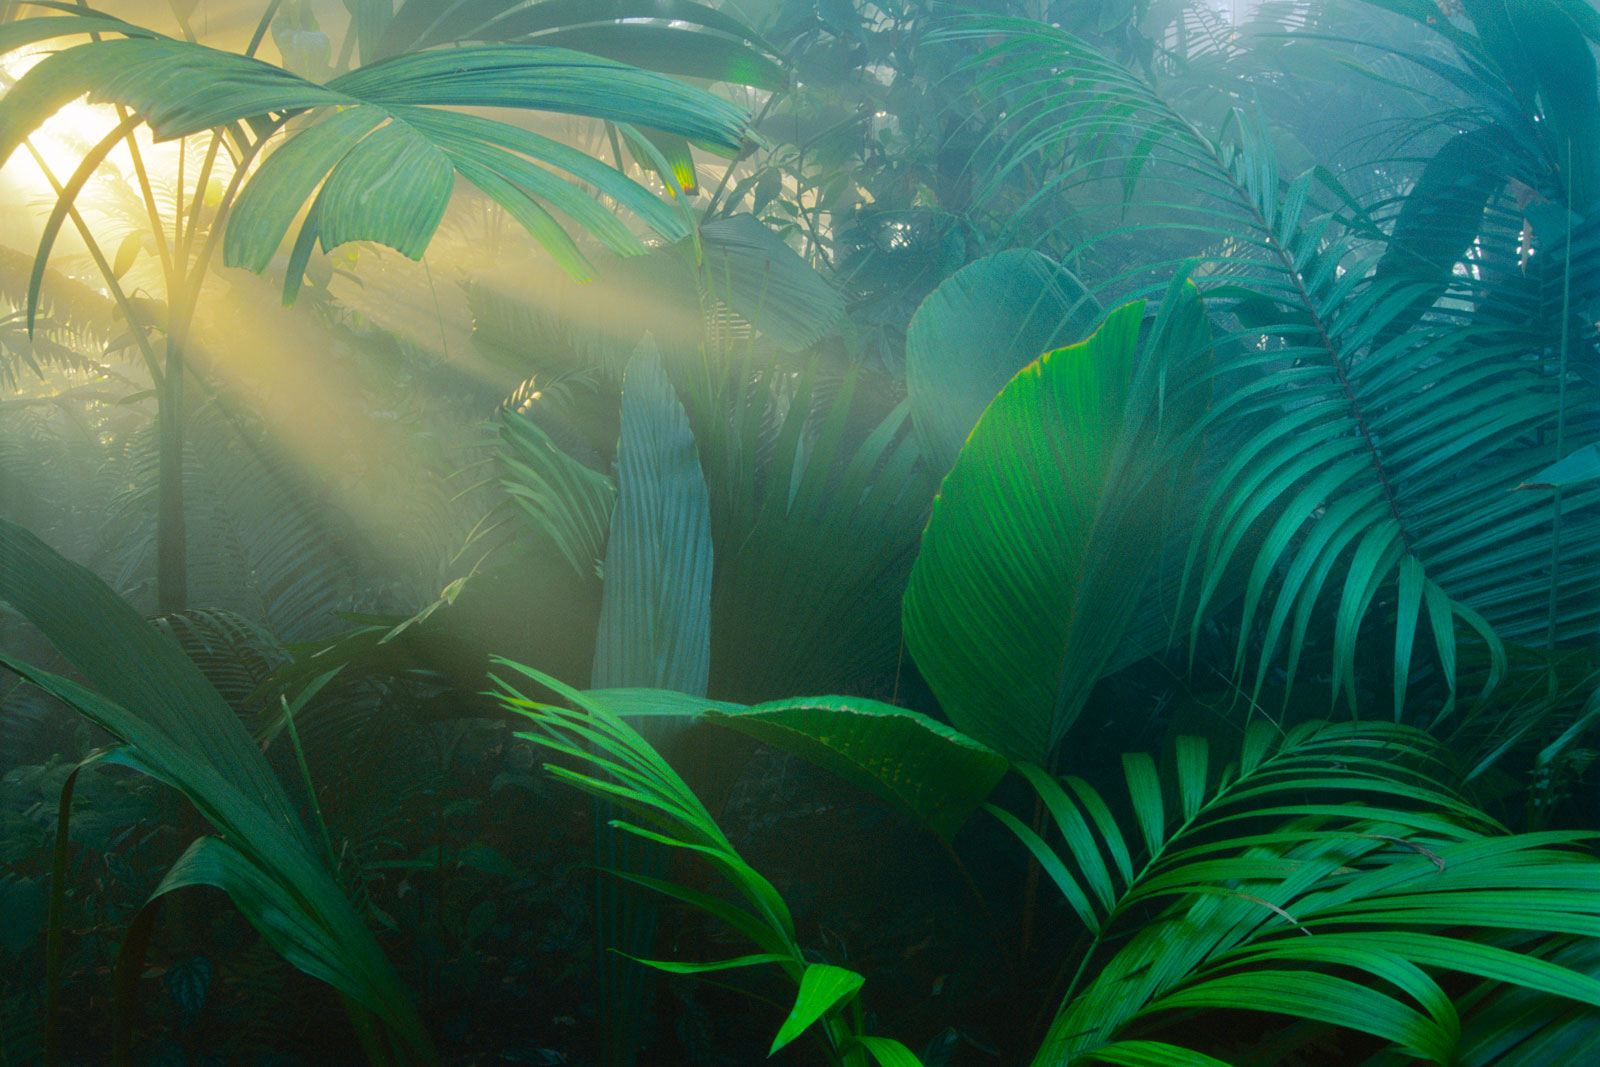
(982, 324)
(376, 161)
(181, 731)
(1044, 532)
(655, 615)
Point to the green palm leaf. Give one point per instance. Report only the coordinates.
(673, 36)
(1324, 875)
(934, 774)
(1368, 464)
(815, 522)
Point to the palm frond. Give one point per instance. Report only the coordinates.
(1346, 435)
(1326, 851)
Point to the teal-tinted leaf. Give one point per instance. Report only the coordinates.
(655, 627)
(382, 177)
(749, 268)
(189, 980)
(558, 496)
(981, 326)
(821, 987)
(399, 169)
(1580, 466)
(672, 36)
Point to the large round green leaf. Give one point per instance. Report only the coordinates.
(984, 323)
(1044, 532)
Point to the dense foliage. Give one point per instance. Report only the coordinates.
(649, 531)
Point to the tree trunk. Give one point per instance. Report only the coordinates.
(172, 568)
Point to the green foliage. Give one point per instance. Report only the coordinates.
(793, 477)
(933, 773)
(380, 165)
(1044, 531)
(749, 268)
(1263, 885)
(178, 729)
(637, 779)
(655, 621)
(1342, 483)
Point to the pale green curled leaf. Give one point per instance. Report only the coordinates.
(179, 729)
(935, 774)
(888, 1052)
(381, 163)
(822, 987)
(748, 267)
(981, 326)
(1043, 534)
(1580, 466)
(568, 502)
(655, 614)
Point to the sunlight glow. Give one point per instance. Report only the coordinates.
(66, 136)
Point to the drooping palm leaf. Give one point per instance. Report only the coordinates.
(631, 775)
(922, 767)
(1045, 530)
(379, 162)
(179, 729)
